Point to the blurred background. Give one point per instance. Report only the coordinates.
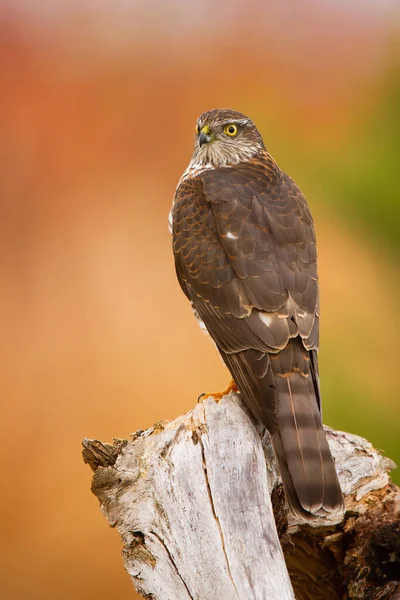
(98, 103)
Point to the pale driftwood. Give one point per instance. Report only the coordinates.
(191, 499)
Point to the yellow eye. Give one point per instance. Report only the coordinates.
(231, 130)
(197, 129)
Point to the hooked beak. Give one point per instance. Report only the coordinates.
(205, 136)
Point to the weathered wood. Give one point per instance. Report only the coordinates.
(191, 501)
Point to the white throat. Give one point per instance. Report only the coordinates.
(215, 154)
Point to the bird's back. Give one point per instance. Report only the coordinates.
(245, 255)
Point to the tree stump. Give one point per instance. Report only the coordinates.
(201, 512)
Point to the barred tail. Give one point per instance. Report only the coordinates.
(305, 461)
(282, 392)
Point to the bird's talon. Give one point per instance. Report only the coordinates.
(217, 396)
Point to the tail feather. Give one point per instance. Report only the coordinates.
(282, 391)
(301, 448)
(300, 442)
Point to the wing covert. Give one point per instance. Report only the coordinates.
(244, 244)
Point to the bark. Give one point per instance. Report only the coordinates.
(201, 512)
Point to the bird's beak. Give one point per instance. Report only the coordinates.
(205, 136)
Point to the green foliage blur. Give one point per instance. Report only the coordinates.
(363, 180)
(362, 183)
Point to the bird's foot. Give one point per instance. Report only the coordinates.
(231, 387)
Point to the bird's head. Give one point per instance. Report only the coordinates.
(225, 137)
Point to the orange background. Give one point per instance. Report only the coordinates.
(98, 103)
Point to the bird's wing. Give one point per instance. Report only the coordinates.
(245, 254)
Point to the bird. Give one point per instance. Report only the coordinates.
(245, 256)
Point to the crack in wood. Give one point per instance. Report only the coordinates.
(215, 514)
(172, 562)
(356, 555)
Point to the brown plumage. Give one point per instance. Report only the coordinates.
(245, 256)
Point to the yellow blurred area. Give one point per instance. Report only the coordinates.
(97, 114)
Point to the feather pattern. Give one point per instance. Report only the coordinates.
(245, 256)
